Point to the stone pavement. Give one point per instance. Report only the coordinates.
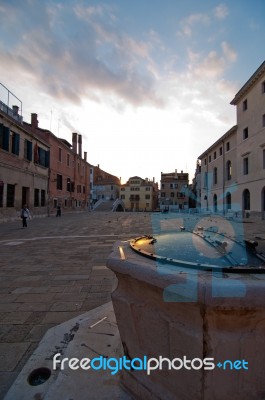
(51, 272)
(54, 271)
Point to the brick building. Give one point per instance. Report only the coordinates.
(174, 192)
(24, 166)
(69, 185)
(105, 185)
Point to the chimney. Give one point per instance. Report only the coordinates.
(85, 156)
(15, 110)
(74, 142)
(80, 145)
(34, 120)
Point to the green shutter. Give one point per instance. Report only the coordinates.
(29, 150)
(6, 138)
(16, 143)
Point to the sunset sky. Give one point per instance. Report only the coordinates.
(148, 83)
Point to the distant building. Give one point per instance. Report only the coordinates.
(174, 192)
(195, 188)
(69, 185)
(233, 168)
(24, 166)
(139, 194)
(105, 185)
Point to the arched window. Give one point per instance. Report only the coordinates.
(228, 201)
(215, 175)
(215, 203)
(246, 199)
(228, 170)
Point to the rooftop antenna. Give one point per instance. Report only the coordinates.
(51, 122)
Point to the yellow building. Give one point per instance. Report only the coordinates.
(139, 194)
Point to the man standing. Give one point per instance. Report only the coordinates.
(24, 215)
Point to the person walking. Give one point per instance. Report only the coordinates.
(58, 214)
(24, 215)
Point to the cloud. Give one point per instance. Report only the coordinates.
(77, 52)
(221, 11)
(213, 65)
(188, 23)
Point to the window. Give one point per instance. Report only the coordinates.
(59, 185)
(228, 170)
(148, 188)
(221, 151)
(246, 199)
(15, 143)
(147, 196)
(245, 105)
(10, 195)
(263, 120)
(214, 155)
(163, 194)
(263, 87)
(227, 146)
(122, 189)
(60, 154)
(123, 196)
(245, 133)
(42, 198)
(43, 157)
(245, 166)
(78, 188)
(215, 175)
(36, 197)
(4, 138)
(210, 159)
(28, 150)
(172, 194)
(84, 190)
(205, 161)
(163, 186)
(228, 201)
(263, 153)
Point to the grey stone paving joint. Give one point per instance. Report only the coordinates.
(54, 271)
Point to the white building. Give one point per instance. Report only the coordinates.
(233, 168)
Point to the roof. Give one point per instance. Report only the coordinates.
(252, 80)
(220, 140)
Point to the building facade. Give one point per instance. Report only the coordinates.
(139, 194)
(219, 174)
(69, 174)
(235, 180)
(174, 192)
(24, 167)
(105, 185)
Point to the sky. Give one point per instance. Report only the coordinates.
(147, 83)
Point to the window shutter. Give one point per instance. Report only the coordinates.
(6, 138)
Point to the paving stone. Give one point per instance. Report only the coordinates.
(11, 354)
(17, 333)
(16, 318)
(58, 317)
(66, 306)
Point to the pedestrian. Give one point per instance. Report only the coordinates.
(24, 215)
(58, 214)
